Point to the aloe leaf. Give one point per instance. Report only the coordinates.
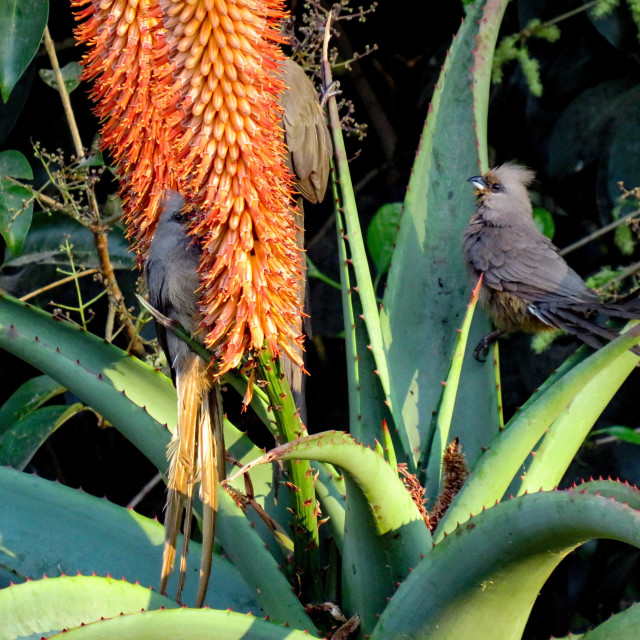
(372, 410)
(383, 489)
(106, 378)
(27, 398)
(485, 44)
(622, 625)
(367, 408)
(495, 470)
(509, 551)
(41, 607)
(138, 400)
(621, 492)
(367, 399)
(445, 413)
(196, 624)
(47, 528)
(567, 433)
(19, 443)
(385, 534)
(363, 283)
(428, 284)
(22, 25)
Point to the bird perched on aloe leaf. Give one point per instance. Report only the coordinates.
(197, 448)
(526, 284)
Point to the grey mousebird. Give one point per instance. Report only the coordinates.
(196, 450)
(527, 285)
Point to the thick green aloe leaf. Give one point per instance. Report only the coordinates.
(428, 285)
(47, 528)
(39, 608)
(385, 534)
(138, 401)
(434, 484)
(509, 551)
(21, 25)
(502, 460)
(567, 433)
(619, 491)
(106, 378)
(195, 624)
(367, 371)
(623, 625)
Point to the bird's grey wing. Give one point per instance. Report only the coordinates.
(305, 132)
(522, 261)
(156, 272)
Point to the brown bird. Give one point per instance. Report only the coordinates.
(309, 150)
(197, 449)
(527, 285)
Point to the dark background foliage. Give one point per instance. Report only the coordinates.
(581, 136)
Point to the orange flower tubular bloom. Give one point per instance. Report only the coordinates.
(187, 94)
(128, 61)
(229, 146)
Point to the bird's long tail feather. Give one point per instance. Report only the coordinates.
(212, 472)
(589, 331)
(192, 387)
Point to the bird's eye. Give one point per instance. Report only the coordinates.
(178, 217)
(496, 186)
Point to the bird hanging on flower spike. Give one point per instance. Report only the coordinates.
(192, 96)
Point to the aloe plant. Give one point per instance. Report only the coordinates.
(478, 572)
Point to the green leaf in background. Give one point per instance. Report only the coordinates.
(27, 398)
(544, 221)
(381, 235)
(626, 434)
(602, 278)
(11, 110)
(19, 443)
(70, 74)
(21, 25)
(47, 233)
(15, 218)
(624, 240)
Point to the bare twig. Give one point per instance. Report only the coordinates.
(98, 229)
(600, 232)
(157, 479)
(64, 96)
(58, 283)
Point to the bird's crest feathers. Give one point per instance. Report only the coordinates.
(509, 174)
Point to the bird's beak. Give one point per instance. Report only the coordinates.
(478, 182)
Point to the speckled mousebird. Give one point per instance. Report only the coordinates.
(527, 285)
